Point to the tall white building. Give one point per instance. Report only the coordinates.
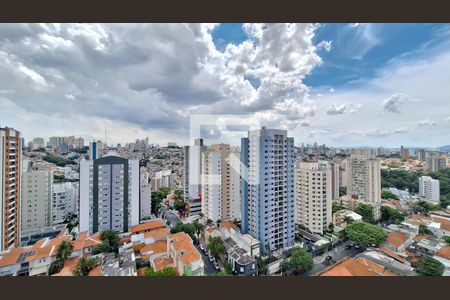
(10, 187)
(429, 189)
(267, 157)
(314, 186)
(36, 199)
(145, 194)
(220, 183)
(364, 180)
(109, 194)
(64, 202)
(193, 169)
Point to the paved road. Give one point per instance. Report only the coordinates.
(209, 267)
(337, 253)
(170, 217)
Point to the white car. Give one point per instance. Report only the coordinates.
(216, 266)
(201, 247)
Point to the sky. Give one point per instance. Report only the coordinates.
(337, 84)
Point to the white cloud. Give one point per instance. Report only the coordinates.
(394, 102)
(426, 122)
(336, 109)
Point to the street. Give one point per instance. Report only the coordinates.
(169, 216)
(337, 254)
(209, 267)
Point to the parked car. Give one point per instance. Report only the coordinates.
(211, 259)
(328, 258)
(357, 246)
(352, 245)
(216, 266)
(347, 247)
(202, 248)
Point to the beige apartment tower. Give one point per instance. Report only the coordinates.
(313, 191)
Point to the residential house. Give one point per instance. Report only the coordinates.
(356, 267)
(443, 255)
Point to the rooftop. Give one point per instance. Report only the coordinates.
(396, 239)
(147, 226)
(182, 243)
(356, 267)
(444, 252)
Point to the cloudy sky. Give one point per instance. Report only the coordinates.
(339, 84)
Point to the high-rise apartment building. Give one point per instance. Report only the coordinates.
(64, 202)
(268, 201)
(109, 193)
(313, 187)
(193, 169)
(435, 163)
(364, 180)
(36, 199)
(220, 181)
(94, 148)
(335, 179)
(429, 189)
(404, 153)
(10, 187)
(145, 196)
(164, 178)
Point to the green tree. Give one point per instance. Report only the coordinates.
(391, 215)
(430, 267)
(228, 267)
(300, 260)
(64, 250)
(179, 194)
(166, 272)
(446, 239)
(180, 206)
(388, 195)
(55, 267)
(85, 265)
(366, 211)
(336, 206)
(110, 242)
(198, 227)
(366, 234)
(216, 246)
(187, 228)
(423, 230)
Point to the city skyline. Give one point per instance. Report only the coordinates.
(337, 84)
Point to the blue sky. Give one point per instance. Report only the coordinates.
(338, 84)
(356, 52)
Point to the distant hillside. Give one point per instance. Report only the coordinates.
(445, 148)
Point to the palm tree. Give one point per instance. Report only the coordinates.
(64, 250)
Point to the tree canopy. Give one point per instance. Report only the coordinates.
(85, 265)
(388, 195)
(366, 234)
(300, 260)
(366, 211)
(430, 267)
(187, 228)
(149, 271)
(64, 250)
(388, 214)
(216, 246)
(110, 242)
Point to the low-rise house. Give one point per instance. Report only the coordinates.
(84, 244)
(397, 241)
(187, 260)
(151, 236)
(443, 255)
(438, 226)
(243, 241)
(31, 260)
(356, 267)
(242, 263)
(147, 226)
(341, 217)
(154, 250)
(390, 260)
(427, 246)
(443, 213)
(69, 267)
